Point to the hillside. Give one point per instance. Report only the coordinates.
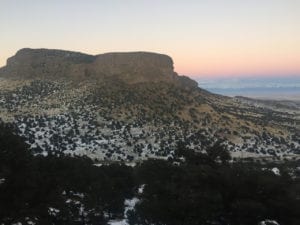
(58, 189)
(131, 106)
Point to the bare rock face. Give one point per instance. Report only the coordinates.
(131, 67)
(135, 67)
(44, 63)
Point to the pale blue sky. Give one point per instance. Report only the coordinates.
(204, 37)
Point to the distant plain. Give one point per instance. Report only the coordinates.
(271, 88)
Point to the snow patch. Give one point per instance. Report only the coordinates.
(268, 222)
(276, 171)
(129, 205)
(53, 211)
(2, 180)
(141, 189)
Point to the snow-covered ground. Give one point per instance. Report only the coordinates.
(75, 128)
(129, 204)
(269, 222)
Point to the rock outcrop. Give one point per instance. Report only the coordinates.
(131, 67)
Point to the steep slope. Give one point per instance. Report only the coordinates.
(125, 106)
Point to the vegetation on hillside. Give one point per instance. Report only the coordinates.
(191, 188)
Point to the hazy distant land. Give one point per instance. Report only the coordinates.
(262, 88)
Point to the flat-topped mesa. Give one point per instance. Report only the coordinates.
(130, 67)
(45, 64)
(135, 66)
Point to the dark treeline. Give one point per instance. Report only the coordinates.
(190, 189)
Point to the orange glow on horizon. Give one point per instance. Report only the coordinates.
(241, 64)
(231, 38)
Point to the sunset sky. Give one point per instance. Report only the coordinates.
(216, 38)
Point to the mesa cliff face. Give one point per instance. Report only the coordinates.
(44, 63)
(131, 67)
